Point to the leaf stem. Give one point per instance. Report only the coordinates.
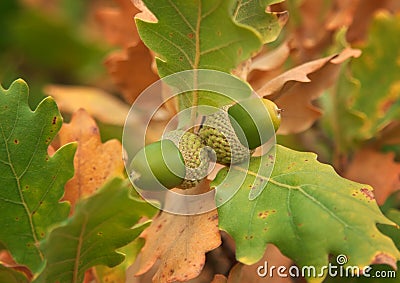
(195, 93)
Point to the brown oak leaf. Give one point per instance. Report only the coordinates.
(342, 14)
(179, 242)
(94, 161)
(364, 14)
(268, 64)
(294, 90)
(390, 134)
(219, 278)
(249, 273)
(131, 70)
(98, 103)
(376, 169)
(7, 261)
(118, 24)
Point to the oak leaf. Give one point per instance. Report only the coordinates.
(219, 278)
(248, 273)
(377, 169)
(185, 240)
(118, 24)
(94, 161)
(294, 90)
(131, 70)
(98, 103)
(390, 134)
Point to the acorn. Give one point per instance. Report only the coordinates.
(178, 160)
(235, 131)
(195, 156)
(158, 165)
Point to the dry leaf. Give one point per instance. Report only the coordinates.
(180, 243)
(131, 70)
(185, 240)
(118, 23)
(145, 14)
(7, 261)
(98, 103)
(309, 38)
(390, 134)
(219, 278)
(248, 273)
(294, 90)
(342, 14)
(272, 59)
(376, 169)
(365, 12)
(94, 161)
(268, 64)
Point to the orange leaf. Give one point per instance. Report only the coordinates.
(294, 90)
(180, 243)
(118, 23)
(94, 161)
(390, 134)
(219, 278)
(131, 70)
(376, 169)
(342, 14)
(7, 261)
(98, 103)
(248, 273)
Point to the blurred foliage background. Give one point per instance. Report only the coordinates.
(51, 41)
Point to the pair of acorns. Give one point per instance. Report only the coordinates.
(181, 159)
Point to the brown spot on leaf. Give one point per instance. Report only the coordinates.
(367, 193)
(54, 120)
(263, 214)
(16, 141)
(190, 35)
(382, 258)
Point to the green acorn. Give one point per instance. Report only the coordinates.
(178, 160)
(158, 165)
(194, 154)
(235, 131)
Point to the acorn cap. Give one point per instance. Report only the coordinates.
(194, 154)
(218, 134)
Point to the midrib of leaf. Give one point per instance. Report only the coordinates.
(237, 8)
(299, 188)
(17, 178)
(79, 248)
(193, 114)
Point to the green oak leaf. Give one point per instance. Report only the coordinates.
(306, 209)
(253, 13)
(367, 96)
(101, 224)
(10, 275)
(384, 272)
(118, 273)
(199, 34)
(378, 71)
(32, 183)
